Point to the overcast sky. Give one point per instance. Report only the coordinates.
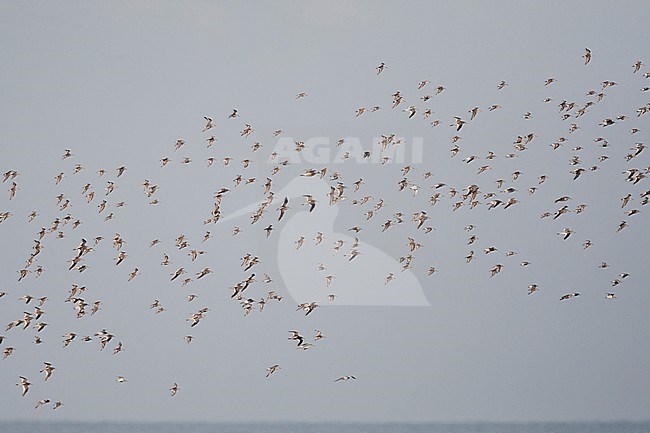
(119, 82)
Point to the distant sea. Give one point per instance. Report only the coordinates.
(110, 427)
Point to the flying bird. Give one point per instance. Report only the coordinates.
(283, 208)
(24, 384)
(345, 378)
(272, 369)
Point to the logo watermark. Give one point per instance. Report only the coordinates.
(315, 263)
(326, 150)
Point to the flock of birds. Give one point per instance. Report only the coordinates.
(471, 196)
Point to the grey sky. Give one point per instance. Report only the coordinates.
(120, 82)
